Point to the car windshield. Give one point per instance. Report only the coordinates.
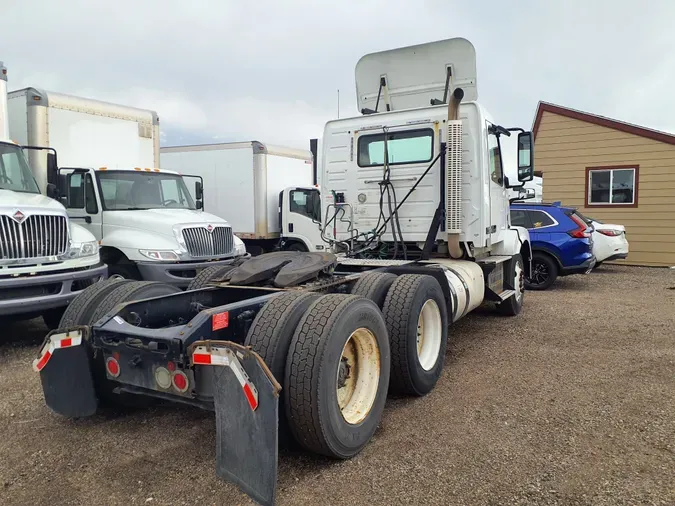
(15, 173)
(132, 190)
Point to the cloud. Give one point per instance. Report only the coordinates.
(230, 70)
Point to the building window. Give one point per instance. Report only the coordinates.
(612, 186)
(409, 146)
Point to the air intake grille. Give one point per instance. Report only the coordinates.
(453, 171)
(37, 236)
(202, 243)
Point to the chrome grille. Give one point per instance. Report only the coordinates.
(35, 237)
(202, 243)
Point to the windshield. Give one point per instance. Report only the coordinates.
(15, 173)
(126, 190)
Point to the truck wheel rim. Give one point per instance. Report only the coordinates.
(429, 334)
(358, 375)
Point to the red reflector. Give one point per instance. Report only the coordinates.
(180, 381)
(171, 366)
(220, 320)
(43, 361)
(201, 358)
(116, 355)
(113, 367)
(66, 342)
(250, 397)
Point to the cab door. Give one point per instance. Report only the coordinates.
(499, 202)
(82, 199)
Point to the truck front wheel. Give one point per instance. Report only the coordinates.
(417, 322)
(337, 373)
(514, 304)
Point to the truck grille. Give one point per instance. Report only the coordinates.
(202, 243)
(37, 236)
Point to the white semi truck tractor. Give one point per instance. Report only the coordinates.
(45, 258)
(305, 346)
(149, 226)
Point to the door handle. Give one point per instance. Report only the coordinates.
(87, 219)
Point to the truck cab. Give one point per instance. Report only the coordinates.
(300, 219)
(45, 258)
(147, 222)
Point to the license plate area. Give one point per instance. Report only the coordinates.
(150, 371)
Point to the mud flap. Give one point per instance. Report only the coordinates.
(65, 373)
(246, 400)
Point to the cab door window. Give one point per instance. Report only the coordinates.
(306, 203)
(495, 160)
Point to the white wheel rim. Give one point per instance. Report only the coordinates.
(519, 281)
(358, 375)
(117, 276)
(429, 332)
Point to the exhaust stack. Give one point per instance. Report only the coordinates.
(453, 171)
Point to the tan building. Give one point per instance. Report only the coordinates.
(611, 171)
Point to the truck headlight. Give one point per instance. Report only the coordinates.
(158, 254)
(239, 246)
(83, 249)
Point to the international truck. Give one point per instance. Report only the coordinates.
(146, 221)
(305, 346)
(45, 258)
(249, 185)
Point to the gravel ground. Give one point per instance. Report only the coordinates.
(572, 402)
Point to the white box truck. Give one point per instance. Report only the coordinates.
(45, 258)
(249, 183)
(148, 225)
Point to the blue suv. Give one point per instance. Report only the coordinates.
(561, 241)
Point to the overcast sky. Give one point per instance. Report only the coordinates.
(226, 70)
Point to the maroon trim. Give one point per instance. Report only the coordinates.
(601, 121)
(636, 182)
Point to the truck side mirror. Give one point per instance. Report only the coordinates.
(199, 195)
(52, 191)
(52, 167)
(525, 157)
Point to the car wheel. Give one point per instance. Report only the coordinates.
(544, 272)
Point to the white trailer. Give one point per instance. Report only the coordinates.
(246, 181)
(85, 132)
(148, 225)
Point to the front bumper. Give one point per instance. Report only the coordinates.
(35, 294)
(179, 274)
(583, 268)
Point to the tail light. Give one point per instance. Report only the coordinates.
(582, 232)
(180, 381)
(112, 366)
(610, 233)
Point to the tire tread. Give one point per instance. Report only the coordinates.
(303, 370)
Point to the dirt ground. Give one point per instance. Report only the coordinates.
(572, 402)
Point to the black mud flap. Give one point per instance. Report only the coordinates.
(65, 373)
(246, 400)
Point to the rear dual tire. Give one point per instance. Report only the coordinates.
(337, 373)
(416, 315)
